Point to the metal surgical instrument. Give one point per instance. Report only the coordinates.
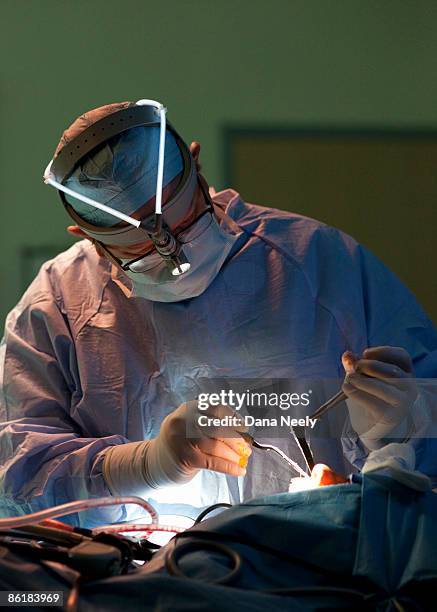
(299, 436)
(299, 432)
(269, 447)
(334, 401)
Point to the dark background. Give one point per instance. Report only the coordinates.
(252, 64)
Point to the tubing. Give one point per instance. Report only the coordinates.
(77, 506)
(148, 529)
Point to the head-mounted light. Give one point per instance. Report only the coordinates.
(158, 224)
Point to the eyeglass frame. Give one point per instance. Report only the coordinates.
(126, 266)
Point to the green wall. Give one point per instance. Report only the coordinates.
(345, 62)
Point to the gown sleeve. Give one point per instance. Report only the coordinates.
(45, 458)
(394, 318)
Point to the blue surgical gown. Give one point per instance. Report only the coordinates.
(85, 366)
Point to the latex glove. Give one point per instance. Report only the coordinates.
(183, 447)
(381, 389)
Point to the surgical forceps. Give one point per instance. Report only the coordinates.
(269, 447)
(299, 432)
(299, 436)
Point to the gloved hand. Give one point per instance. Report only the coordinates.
(183, 447)
(180, 450)
(381, 391)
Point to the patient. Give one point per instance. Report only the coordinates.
(322, 475)
(394, 461)
(366, 543)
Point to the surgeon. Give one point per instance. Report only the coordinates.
(102, 357)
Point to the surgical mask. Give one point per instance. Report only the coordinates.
(206, 244)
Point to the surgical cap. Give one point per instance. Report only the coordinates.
(122, 173)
